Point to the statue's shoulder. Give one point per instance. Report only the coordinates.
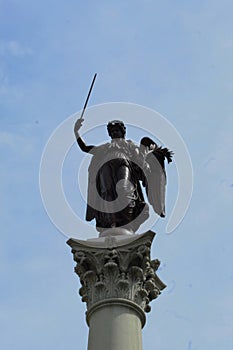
(132, 146)
(131, 143)
(100, 149)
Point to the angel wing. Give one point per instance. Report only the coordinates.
(156, 178)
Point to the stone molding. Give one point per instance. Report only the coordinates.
(111, 302)
(117, 268)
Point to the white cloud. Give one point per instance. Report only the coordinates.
(9, 91)
(4, 89)
(14, 48)
(16, 143)
(220, 166)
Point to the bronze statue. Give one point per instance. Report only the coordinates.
(116, 173)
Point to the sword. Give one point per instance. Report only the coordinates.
(89, 93)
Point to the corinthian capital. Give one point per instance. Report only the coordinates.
(117, 268)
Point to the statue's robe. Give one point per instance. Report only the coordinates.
(119, 160)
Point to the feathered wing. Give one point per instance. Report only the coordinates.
(156, 185)
(156, 177)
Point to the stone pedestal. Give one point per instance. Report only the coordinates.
(118, 281)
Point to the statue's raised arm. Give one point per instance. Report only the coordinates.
(79, 139)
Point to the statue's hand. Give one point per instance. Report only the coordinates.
(78, 125)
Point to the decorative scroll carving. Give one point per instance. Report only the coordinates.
(118, 271)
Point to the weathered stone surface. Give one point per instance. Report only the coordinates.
(115, 267)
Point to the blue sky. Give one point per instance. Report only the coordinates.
(171, 56)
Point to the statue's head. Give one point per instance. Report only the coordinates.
(116, 129)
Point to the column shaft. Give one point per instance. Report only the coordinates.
(114, 327)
